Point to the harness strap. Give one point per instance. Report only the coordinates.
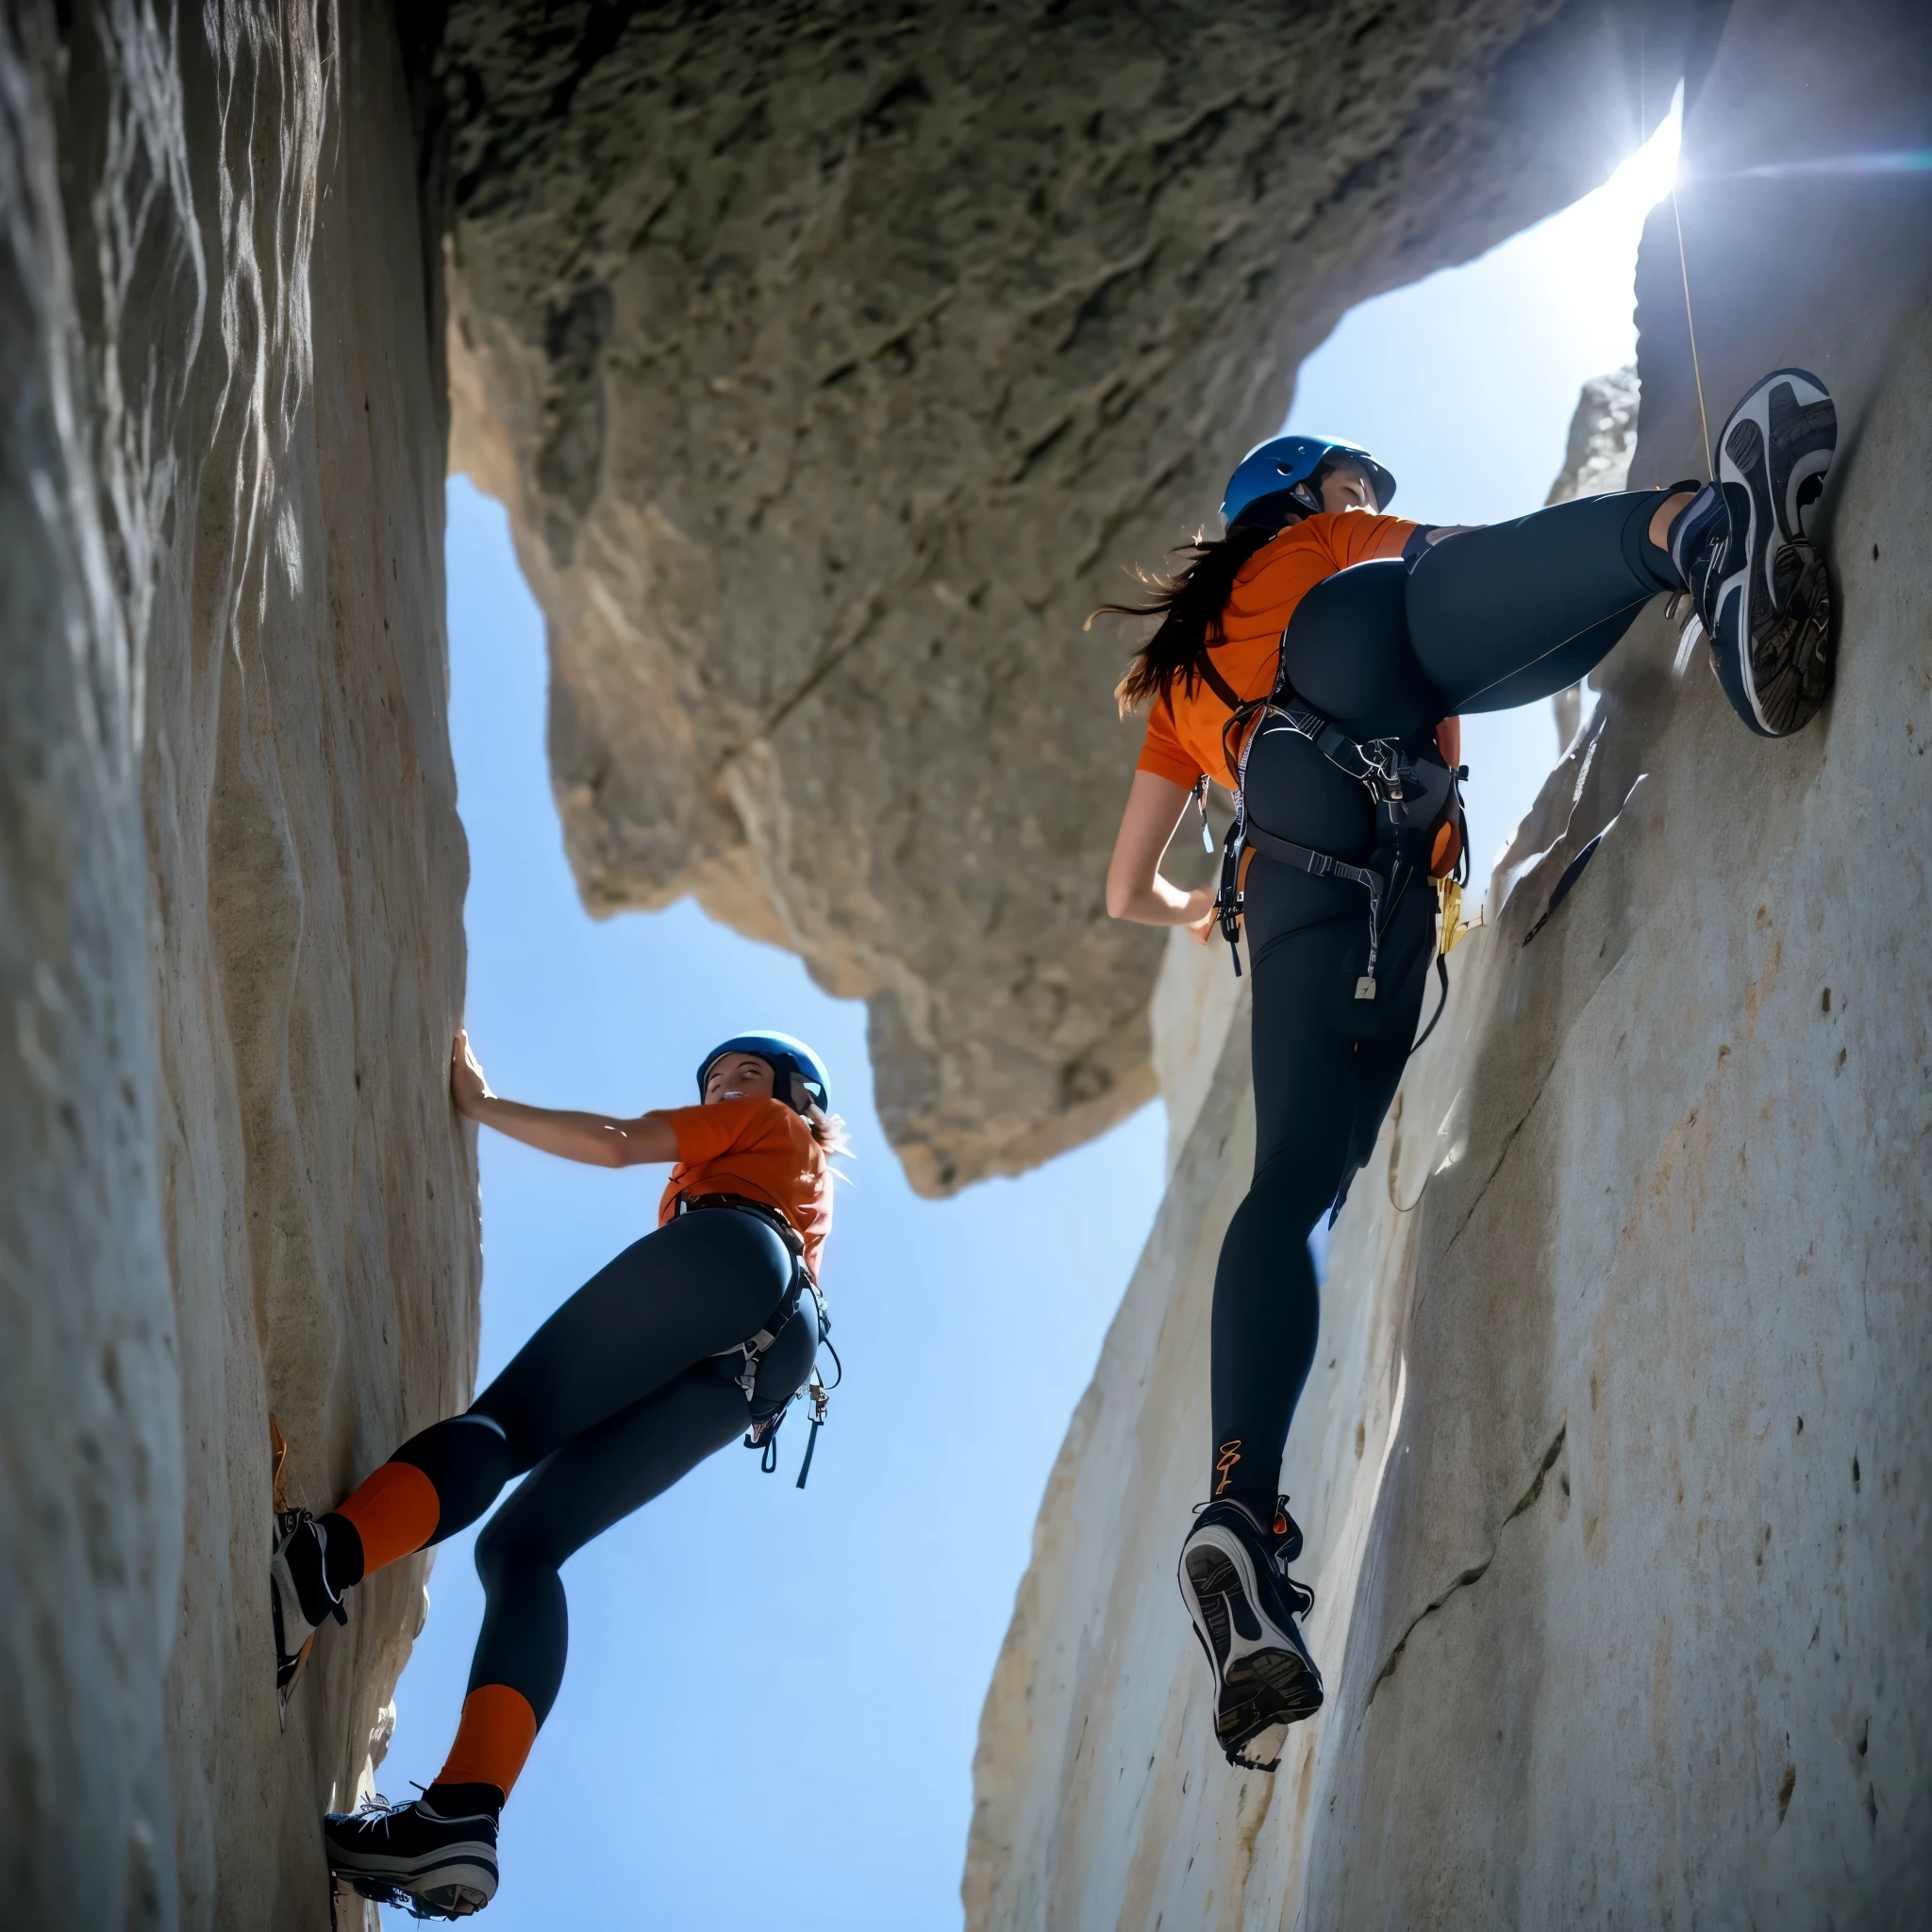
(1324, 865)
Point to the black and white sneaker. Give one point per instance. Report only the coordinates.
(1234, 1580)
(1767, 605)
(413, 1859)
(299, 1593)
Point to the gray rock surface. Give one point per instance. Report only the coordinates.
(835, 360)
(1614, 1463)
(1603, 438)
(1596, 459)
(231, 952)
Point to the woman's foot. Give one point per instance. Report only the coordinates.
(1234, 1580)
(299, 1593)
(414, 1858)
(1766, 604)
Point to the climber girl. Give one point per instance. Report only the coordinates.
(1306, 660)
(704, 1328)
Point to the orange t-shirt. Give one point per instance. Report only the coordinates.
(1183, 732)
(758, 1148)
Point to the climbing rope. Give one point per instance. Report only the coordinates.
(1690, 323)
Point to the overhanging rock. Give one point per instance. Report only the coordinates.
(833, 360)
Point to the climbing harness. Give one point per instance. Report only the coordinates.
(764, 1433)
(1408, 793)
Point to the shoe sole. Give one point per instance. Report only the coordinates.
(1773, 638)
(450, 1902)
(456, 1882)
(1259, 1686)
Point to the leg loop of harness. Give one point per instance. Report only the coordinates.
(1324, 865)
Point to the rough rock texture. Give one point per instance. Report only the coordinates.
(1603, 438)
(1602, 443)
(1615, 1459)
(230, 942)
(834, 361)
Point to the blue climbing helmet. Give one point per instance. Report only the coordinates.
(1278, 476)
(784, 1055)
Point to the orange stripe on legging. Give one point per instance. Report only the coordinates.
(493, 1740)
(394, 1513)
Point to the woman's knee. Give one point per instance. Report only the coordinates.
(1290, 1193)
(507, 1553)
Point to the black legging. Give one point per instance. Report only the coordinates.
(1481, 621)
(612, 1400)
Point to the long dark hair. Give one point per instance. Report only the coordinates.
(1189, 604)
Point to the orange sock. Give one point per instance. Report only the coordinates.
(395, 1512)
(493, 1740)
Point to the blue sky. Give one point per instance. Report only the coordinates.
(772, 1697)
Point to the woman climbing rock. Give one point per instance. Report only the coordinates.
(1314, 660)
(702, 1330)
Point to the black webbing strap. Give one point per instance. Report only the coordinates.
(1218, 685)
(1324, 865)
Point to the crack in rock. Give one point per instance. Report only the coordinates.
(1476, 1571)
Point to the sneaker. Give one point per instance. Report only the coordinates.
(414, 1859)
(1234, 1580)
(299, 1593)
(1698, 536)
(1768, 608)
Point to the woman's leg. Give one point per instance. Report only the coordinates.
(1320, 1094)
(1484, 621)
(575, 1494)
(595, 1479)
(696, 1285)
(1518, 611)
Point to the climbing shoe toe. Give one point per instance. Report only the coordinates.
(1244, 1609)
(413, 1860)
(1768, 607)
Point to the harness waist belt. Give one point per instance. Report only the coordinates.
(743, 1204)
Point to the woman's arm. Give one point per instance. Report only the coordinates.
(594, 1138)
(1134, 888)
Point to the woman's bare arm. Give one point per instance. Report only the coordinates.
(596, 1139)
(1135, 888)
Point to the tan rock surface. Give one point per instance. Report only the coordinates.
(1614, 1461)
(834, 362)
(230, 941)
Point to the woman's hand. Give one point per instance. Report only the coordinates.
(1201, 925)
(1134, 888)
(597, 1140)
(468, 1088)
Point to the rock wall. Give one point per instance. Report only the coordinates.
(230, 943)
(1615, 1459)
(834, 361)
(1596, 459)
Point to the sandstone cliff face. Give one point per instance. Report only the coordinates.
(230, 943)
(833, 360)
(1615, 1456)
